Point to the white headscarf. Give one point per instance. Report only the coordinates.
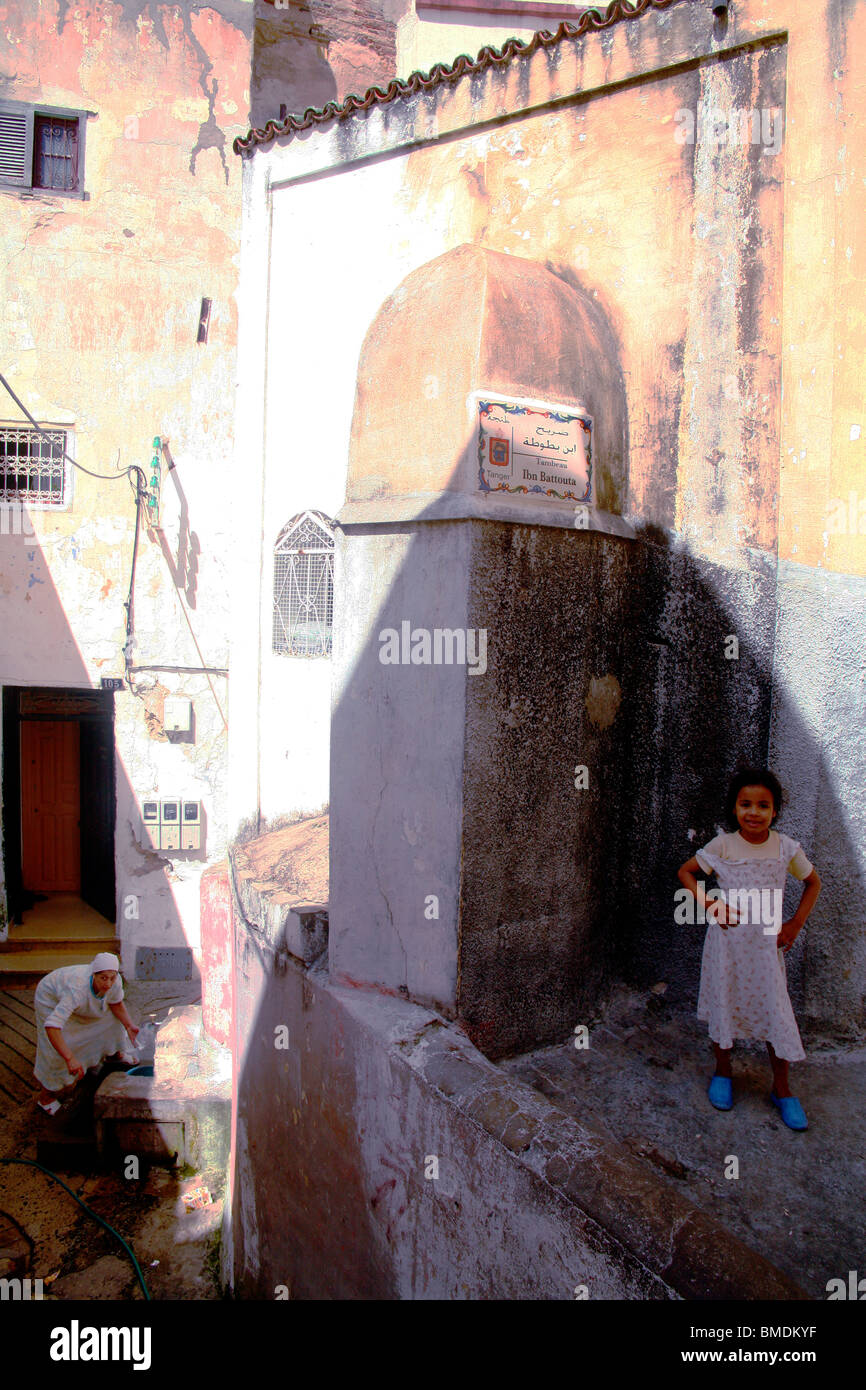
(104, 961)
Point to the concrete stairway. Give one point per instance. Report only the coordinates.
(61, 930)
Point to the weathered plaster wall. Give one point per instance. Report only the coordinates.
(398, 758)
(428, 34)
(413, 1168)
(541, 856)
(310, 52)
(730, 275)
(102, 303)
(700, 256)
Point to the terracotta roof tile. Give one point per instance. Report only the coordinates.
(593, 19)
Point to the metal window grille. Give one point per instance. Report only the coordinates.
(32, 467)
(42, 148)
(304, 586)
(55, 153)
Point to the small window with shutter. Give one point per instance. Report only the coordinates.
(42, 149)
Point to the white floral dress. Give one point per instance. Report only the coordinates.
(65, 1000)
(744, 990)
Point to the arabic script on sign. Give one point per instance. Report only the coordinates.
(534, 450)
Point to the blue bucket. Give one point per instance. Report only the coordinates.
(145, 1070)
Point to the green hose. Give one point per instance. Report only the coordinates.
(31, 1163)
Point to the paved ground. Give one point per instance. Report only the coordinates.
(799, 1198)
(77, 1259)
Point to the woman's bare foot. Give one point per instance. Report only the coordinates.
(48, 1101)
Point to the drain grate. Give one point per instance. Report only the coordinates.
(166, 963)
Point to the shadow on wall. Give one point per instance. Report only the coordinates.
(603, 651)
(107, 861)
(306, 57)
(289, 66)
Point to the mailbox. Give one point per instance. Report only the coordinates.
(171, 824)
(150, 824)
(169, 831)
(190, 826)
(177, 715)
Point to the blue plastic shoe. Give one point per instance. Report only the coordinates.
(791, 1111)
(721, 1093)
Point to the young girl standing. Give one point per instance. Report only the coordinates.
(744, 993)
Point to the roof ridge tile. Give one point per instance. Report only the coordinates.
(591, 20)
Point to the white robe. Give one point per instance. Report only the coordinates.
(65, 1000)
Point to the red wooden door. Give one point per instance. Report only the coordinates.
(50, 805)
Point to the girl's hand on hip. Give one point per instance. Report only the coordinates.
(788, 935)
(719, 912)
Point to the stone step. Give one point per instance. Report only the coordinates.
(75, 944)
(26, 968)
(37, 926)
(182, 1114)
(168, 1122)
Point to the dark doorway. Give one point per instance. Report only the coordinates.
(58, 796)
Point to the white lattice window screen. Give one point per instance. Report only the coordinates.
(304, 586)
(32, 467)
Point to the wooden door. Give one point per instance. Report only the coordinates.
(50, 805)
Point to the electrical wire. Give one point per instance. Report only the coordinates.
(31, 1163)
(105, 477)
(139, 489)
(140, 493)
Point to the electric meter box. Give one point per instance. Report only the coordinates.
(172, 823)
(177, 715)
(169, 830)
(150, 824)
(190, 826)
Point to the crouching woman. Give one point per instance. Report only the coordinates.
(80, 1020)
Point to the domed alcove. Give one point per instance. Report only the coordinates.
(477, 323)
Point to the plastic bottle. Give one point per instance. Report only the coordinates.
(145, 1043)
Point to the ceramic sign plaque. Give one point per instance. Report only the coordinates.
(534, 449)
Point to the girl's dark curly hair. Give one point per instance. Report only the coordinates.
(753, 777)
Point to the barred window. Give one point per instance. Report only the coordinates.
(55, 153)
(42, 148)
(32, 467)
(304, 586)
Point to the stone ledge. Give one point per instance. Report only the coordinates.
(689, 1252)
(281, 881)
(147, 1098)
(164, 1121)
(461, 506)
